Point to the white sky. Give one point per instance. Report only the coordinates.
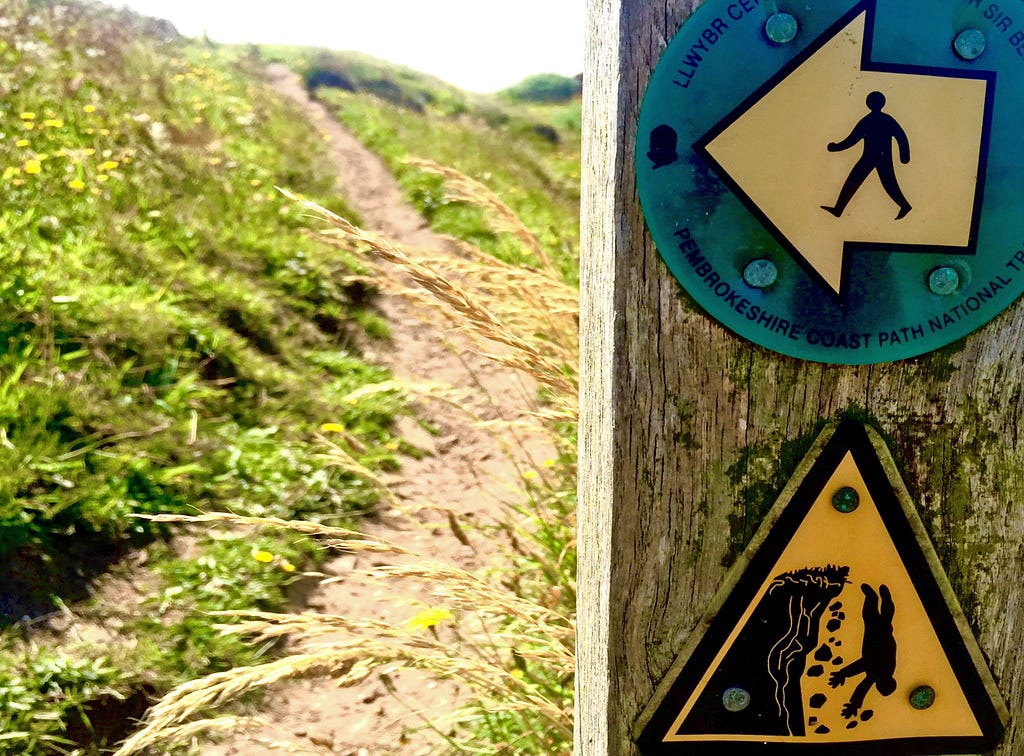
(479, 45)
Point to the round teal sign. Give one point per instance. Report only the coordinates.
(841, 182)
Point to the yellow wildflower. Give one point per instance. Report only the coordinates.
(102, 177)
(104, 132)
(549, 463)
(287, 566)
(22, 143)
(89, 109)
(263, 556)
(331, 428)
(11, 171)
(18, 182)
(255, 182)
(28, 125)
(90, 130)
(53, 123)
(109, 165)
(28, 116)
(76, 185)
(427, 619)
(529, 475)
(33, 166)
(89, 151)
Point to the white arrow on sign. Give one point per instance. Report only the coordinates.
(819, 153)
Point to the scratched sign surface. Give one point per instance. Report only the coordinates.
(839, 181)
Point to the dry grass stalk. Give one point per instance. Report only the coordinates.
(476, 317)
(495, 636)
(331, 537)
(462, 188)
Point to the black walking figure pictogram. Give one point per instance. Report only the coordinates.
(877, 660)
(877, 130)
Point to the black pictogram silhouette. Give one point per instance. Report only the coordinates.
(663, 146)
(877, 130)
(877, 660)
(769, 656)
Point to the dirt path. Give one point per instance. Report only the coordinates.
(465, 471)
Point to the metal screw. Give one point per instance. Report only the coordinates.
(781, 28)
(845, 500)
(922, 697)
(761, 273)
(969, 44)
(944, 281)
(735, 699)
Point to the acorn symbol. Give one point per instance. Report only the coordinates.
(663, 146)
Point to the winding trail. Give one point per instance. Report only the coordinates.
(465, 470)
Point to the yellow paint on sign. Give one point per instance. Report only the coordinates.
(861, 541)
(777, 152)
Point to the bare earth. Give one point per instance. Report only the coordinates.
(465, 471)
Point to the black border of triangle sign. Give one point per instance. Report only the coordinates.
(908, 534)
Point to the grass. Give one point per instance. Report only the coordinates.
(172, 343)
(506, 632)
(528, 155)
(169, 342)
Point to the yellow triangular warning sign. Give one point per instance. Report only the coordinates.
(840, 632)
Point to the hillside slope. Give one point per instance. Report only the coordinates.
(169, 341)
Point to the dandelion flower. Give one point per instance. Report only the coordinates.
(287, 566)
(255, 182)
(427, 619)
(529, 475)
(22, 143)
(53, 123)
(89, 109)
(549, 463)
(331, 428)
(102, 177)
(76, 185)
(28, 116)
(264, 557)
(33, 166)
(109, 165)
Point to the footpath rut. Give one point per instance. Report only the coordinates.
(465, 470)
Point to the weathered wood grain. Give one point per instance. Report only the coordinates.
(688, 433)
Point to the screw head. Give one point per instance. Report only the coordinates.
(944, 281)
(735, 699)
(969, 44)
(845, 500)
(922, 697)
(761, 273)
(781, 28)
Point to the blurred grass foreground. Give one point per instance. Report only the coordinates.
(188, 419)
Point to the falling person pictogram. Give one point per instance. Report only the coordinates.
(877, 130)
(877, 660)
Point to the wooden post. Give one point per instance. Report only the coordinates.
(689, 433)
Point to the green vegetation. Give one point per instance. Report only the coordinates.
(172, 342)
(169, 342)
(545, 88)
(529, 155)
